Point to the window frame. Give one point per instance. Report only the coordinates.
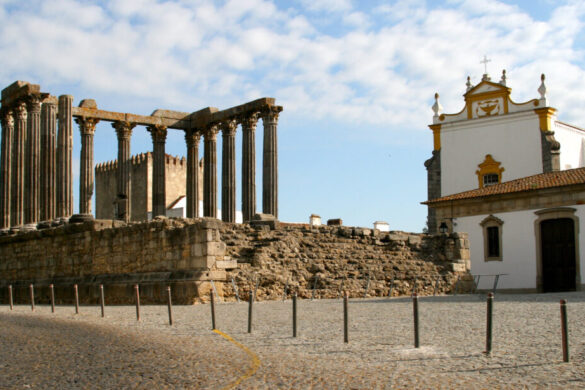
(492, 222)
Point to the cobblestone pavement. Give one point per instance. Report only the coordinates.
(42, 350)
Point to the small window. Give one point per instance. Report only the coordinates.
(492, 238)
(490, 179)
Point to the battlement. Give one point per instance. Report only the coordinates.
(138, 159)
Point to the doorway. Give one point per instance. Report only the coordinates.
(559, 269)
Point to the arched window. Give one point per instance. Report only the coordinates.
(492, 238)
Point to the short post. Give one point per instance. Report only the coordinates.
(136, 290)
(212, 310)
(32, 297)
(415, 311)
(10, 301)
(489, 323)
(456, 288)
(52, 290)
(102, 300)
(170, 304)
(75, 290)
(345, 318)
(250, 303)
(294, 313)
(391, 287)
(564, 331)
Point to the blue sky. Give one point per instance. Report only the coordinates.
(356, 79)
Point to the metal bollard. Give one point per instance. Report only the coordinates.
(564, 331)
(32, 297)
(294, 302)
(367, 286)
(137, 291)
(212, 311)
(235, 290)
(415, 312)
(52, 290)
(489, 322)
(10, 301)
(345, 318)
(102, 300)
(170, 304)
(314, 287)
(250, 303)
(391, 288)
(75, 290)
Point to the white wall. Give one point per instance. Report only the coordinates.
(572, 145)
(513, 140)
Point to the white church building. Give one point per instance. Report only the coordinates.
(511, 176)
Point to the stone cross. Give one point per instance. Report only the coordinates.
(485, 62)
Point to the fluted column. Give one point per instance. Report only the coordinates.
(18, 153)
(86, 181)
(32, 184)
(228, 171)
(123, 179)
(192, 138)
(270, 162)
(6, 168)
(210, 172)
(64, 158)
(159, 136)
(48, 160)
(249, 166)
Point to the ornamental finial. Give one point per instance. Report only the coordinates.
(468, 84)
(437, 109)
(542, 90)
(503, 80)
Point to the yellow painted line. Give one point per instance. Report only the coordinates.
(255, 360)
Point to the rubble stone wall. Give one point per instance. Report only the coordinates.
(336, 258)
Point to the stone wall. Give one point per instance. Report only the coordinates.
(189, 253)
(184, 253)
(341, 258)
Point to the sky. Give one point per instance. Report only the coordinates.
(356, 79)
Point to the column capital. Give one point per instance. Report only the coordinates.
(87, 125)
(20, 112)
(249, 120)
(33, 103)
(229, 127)
(158, 133)
(192, 137)
(270, 114)
(210, 133)
(8, 118)
(123, 129)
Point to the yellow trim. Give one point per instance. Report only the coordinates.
(489, 166)
(545, 115)
(255, 360)
(470, 97)
(436, 136)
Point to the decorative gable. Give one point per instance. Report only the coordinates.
(487, 99)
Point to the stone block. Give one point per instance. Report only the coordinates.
(226, 264)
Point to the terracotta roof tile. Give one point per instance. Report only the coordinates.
(525, 184)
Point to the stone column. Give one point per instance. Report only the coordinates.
(249, 166)
(210, 172)
(6, 168)
(18, 153)
(159, 203)
(192, 138)
(86, 182)
(270, 162)
(48, 159)
(123, 178)
(64, 158)
(32, 184)
(228, 171)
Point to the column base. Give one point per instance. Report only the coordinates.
(5, 232)
(80, 218)
(29, 227)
